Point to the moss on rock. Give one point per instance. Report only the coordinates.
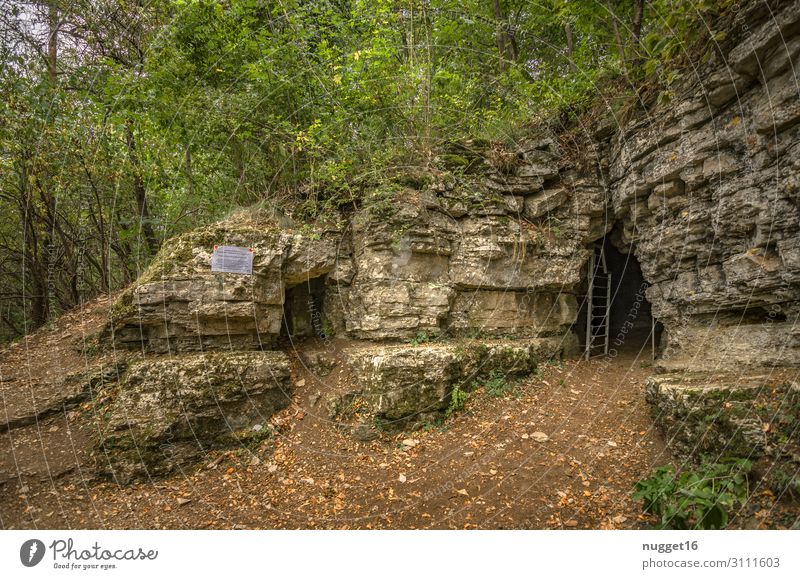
(168, 412)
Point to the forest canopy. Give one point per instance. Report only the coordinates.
(123, 123)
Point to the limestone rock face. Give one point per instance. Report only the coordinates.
(180, 305)
(169, 411)
(725, 415)
(412, 383)
(427, 262)
(402, 382)
(706, 191)
(510, 313)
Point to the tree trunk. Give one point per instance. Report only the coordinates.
(618, 38)
(506, 43)
(52, 42)
(570, 47)
(139, 191)
(636, 30)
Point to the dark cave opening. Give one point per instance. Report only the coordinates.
(615, 293)
(302, 309)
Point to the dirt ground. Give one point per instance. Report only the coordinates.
(562, 449)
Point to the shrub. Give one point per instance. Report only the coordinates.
(458, 398)
(700, 498)
(496, 384)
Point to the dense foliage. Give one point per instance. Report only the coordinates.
(123, 122)
(696, 498)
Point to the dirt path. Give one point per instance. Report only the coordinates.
(484, 468)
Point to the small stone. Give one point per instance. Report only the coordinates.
(540, 437)
(401, 478)
(365, 432)
(300, 383)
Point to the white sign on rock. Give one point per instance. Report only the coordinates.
(232, 259)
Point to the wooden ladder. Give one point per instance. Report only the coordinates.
(598, 304)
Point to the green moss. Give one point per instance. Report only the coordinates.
(418, 180)
(123, 307)
(178, 252)
(453, 162)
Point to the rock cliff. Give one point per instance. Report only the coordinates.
(492, 247)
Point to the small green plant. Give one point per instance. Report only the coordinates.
(700, 498)
(421, 337)
(496, 384)
(380, 202)
(784, 481)
(328, 330)
(458, 398)
(556, 226)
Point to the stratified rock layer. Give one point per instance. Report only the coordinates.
(412, 383)
(706, 190)
(167, 412)
(180, 305)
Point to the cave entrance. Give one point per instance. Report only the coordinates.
(302, 309)
(614, 314)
